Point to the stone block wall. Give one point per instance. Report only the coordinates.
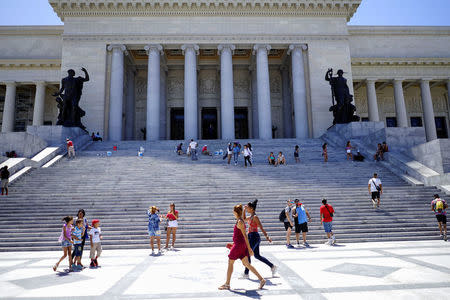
(24, 144)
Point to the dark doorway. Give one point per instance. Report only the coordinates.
(177, 123)
(241, 122)
(209, 123)
(441, 127)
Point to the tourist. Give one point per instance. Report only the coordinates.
(348, 150)
(271, 159)
(301, 222)
(180, 149)
(66, 241)
(254, 237)
(228, 153)
(379, 153)
(288, 223)
(439, 207)
(93, 137)
(249, 146)
(281, 160)
(325, 152)
(205, 150)
(153, 228)
(98, 137)
(4, 176)
(247, 156)
(358, 156)
(70, 149)
(172, 216)
(296, 154)
(193, 149)
(240, 249)
(326, 218)
(384, 148)
(236, 150)
(81, 215)
(77, 236)
(375, 190)
(95, 236)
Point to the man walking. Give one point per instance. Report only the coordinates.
(439, 206)
(301, 224)
(193, 149)
(375, 189)
(4, 175)
(288, 223)
(326, 218)
(70, 148)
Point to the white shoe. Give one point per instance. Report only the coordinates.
(171, 247)
(153, 252)
(328, 242)
(374, 203)
(333, 240)
(244, 276)
(274, 270)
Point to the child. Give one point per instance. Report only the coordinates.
(348, 150)
(153, 228)
(325, 152)
(95, 235)
(66, 241)
(296, 154)
(77, 236)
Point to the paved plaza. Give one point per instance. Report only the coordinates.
(391, 270)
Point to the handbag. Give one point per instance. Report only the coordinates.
(376, 186)
(331, 214)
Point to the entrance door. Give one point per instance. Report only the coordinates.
(241, 122)
(209, 123)
(177, 123)
(441, 127)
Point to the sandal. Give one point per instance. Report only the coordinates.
(262, 283)
(55, 267)
(225, 286)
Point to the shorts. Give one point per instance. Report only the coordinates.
(328, 226)
(287, 225)
(441, 219)
(95, 247)
(173, 223)
(66, 243)
(78, 249)
(295, 154)
(5, 183)
(303, 227)
(152, 232)
(349, 151)
(375, 195)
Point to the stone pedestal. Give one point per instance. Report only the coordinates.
(56, 135)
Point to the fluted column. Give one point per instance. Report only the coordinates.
(130, 106)
(9, 108)
(287, 106)
(427, 107)
(255, 123)
(226, 91)
(39, 104)
(372, 100)
(400, 107)
(163, 104)
(263, 84)
(116, 92)
(299, 91)
(448, 97)
(153, 91)
(190, 91)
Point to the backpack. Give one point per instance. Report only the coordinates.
(282, 215)
(439, 206)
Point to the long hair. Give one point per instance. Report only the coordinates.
(173, 206)
(238, 209)
(81, 211)
(67, 219)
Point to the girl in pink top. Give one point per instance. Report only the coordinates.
(66, 241)
(172, 225)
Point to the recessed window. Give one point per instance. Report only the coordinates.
(391, 122)
(416, 122)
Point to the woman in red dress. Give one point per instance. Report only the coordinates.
(240, 250)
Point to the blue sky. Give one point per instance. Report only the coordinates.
(371, 12)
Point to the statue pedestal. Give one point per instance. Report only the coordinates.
(56, 135)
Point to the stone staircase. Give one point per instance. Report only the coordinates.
(118, 189)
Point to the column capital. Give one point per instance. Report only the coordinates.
(222, 47)
(398, 79)
(154, 47)
(371, 80)
(40, 83)
(195, 47)
(292, 47)
(258, 47)
(427, 79)
(119, 47)
(10, 83)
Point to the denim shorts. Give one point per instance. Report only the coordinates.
(328, 226)
(77, 250)
(66, 243)
(152, 232)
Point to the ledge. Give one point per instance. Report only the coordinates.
(400, 61)
(30, 63)
(398, 30)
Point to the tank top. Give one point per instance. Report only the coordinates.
(252, 226)
(238, 238)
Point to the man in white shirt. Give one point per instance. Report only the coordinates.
(193, 150)
(375, 189)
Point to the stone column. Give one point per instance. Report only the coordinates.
(116, 92)
(39, 104)
(299, 91)
(153, 91)
(226, 91)
(427, 107)
(372, 100)
(287, 106)
(263, 84)
(190, 91)
(400, 107)
(9, 108)
(448, 98)
(130, 105)
(255, 124)
(163, 104)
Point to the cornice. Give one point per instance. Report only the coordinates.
(400, 61)
(126, 8)
(30, 63)
(31, 30)
(399, 30)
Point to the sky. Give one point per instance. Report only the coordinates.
(370, 12)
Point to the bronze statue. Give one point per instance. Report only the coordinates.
(342, 108)
(70, 113)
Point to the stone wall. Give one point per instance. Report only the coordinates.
(24, 144)
(434, 154)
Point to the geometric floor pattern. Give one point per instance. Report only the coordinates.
(391, 270)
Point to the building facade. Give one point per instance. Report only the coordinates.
(222, 69)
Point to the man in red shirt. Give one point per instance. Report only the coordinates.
(70, 148)
(326, 218)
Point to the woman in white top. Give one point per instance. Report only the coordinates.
(247, 155)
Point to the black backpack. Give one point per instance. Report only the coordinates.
(282, 216)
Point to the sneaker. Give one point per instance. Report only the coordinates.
(159, 253)
(306, 244)
(441, 236)
(171, 248)
(96, 262)
(153, 252)
(74, 267)
(445, 237)
(328, 242)
(289, 246)
(298, 243)
(274, 270)
(333, 240)
(374, 204)
(92, 265)
(244, 276)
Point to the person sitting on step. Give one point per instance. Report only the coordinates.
(271, 159)
(281, 160)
